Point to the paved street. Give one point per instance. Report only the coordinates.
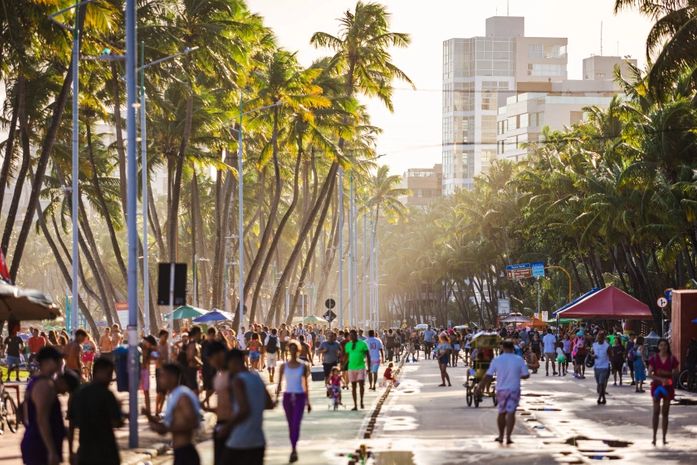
(421, 423)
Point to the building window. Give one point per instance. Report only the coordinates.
(524, 120)
(545, 69)
(536, 51)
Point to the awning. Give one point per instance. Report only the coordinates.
(610, 303)
(577, 299)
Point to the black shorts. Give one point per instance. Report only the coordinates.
(186, 455)
(208, 374)
(328, 368)
(243, 456)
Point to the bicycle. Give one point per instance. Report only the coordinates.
(8, 411)
(684, 381)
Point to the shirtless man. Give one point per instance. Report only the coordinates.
(73, 352)
(106, 344)
(162, 359)
(182, 416)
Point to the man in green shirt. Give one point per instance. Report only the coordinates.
(358, 357)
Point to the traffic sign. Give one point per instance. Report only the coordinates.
(662, 302)
(330, 303)
(526, 270)
(329, 316)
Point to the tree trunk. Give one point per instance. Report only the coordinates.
(42, 162)
(9, 147)
(173, 220)
(118, 126)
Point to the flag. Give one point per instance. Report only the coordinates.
(4, 272)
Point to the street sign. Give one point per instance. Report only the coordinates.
(538, 269)
(662, 302)
(504, 306)
(525, 270)
(330, 303)
(329, 316)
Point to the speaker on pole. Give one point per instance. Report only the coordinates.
(163, 281)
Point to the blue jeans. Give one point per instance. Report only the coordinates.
(601, 377)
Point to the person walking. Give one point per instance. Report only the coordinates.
(549, 343)
(13, 348)
(193, 359)
(94, 410)
(216, 352)
(182, 416)
(601, 367)
(636, 358)
(617, 356)
(35, 343)
(509, 370)
(272, 346)
(106, 344)
(429, 337)
(443, 351)
(42, 443)
(148, 346)
(245, 443)
(663, 368)
(296, 395)
(358, 358)
(73, 353)
(330, 350)
(161, 359)
(377, 353)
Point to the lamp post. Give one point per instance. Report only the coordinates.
(75, 187)
(341, 245)
(240, 204)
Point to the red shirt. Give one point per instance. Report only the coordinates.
(35, 343)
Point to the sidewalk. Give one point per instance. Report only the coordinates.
(324, 432)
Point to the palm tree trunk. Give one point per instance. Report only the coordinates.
(44, 155)
(279, 232)
(9, 143)
(310, 254)
(118, 126)
(173, 220)
(328, 186)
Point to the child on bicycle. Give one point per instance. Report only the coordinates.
(334, 387)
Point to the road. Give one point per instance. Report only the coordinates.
(421, 423)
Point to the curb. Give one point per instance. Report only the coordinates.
(366, 430)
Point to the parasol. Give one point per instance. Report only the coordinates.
(314, 320)
(25, 304)
(421, 326)
(186, 312)
(460, 327)
(516, 318)
(213, 316)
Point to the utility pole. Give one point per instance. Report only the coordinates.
(132, 226)
(341, 246)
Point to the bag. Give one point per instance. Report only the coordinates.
(272, 345)
(590, 361)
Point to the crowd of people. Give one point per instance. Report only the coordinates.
(220, 371)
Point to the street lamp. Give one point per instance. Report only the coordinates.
(240, 205)
(75, 192)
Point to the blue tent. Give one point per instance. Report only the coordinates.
(577, 299)
(213, 316)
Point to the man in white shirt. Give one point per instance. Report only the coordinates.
(509, 369)
(549, 343)
(377, 353)
(601, 367)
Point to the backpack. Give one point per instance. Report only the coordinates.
(272, 345)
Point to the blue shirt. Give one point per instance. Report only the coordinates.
(428, 335)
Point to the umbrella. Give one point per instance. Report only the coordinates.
(516, 318)
(186, 312)
(214, 316)
(314, 320)
(458, 327)
(421, 326)
(25, 304)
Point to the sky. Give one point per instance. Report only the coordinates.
(411, 135)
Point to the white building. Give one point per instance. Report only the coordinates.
(557, 105)
(479, 73)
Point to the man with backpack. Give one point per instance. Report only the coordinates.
(271, 346)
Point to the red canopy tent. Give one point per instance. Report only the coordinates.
(608, 304)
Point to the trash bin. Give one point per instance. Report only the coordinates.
(317, 373)
(120, 355)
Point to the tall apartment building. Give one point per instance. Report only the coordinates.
(479, 73)
(556, 105)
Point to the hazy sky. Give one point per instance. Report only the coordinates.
(412, 134)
